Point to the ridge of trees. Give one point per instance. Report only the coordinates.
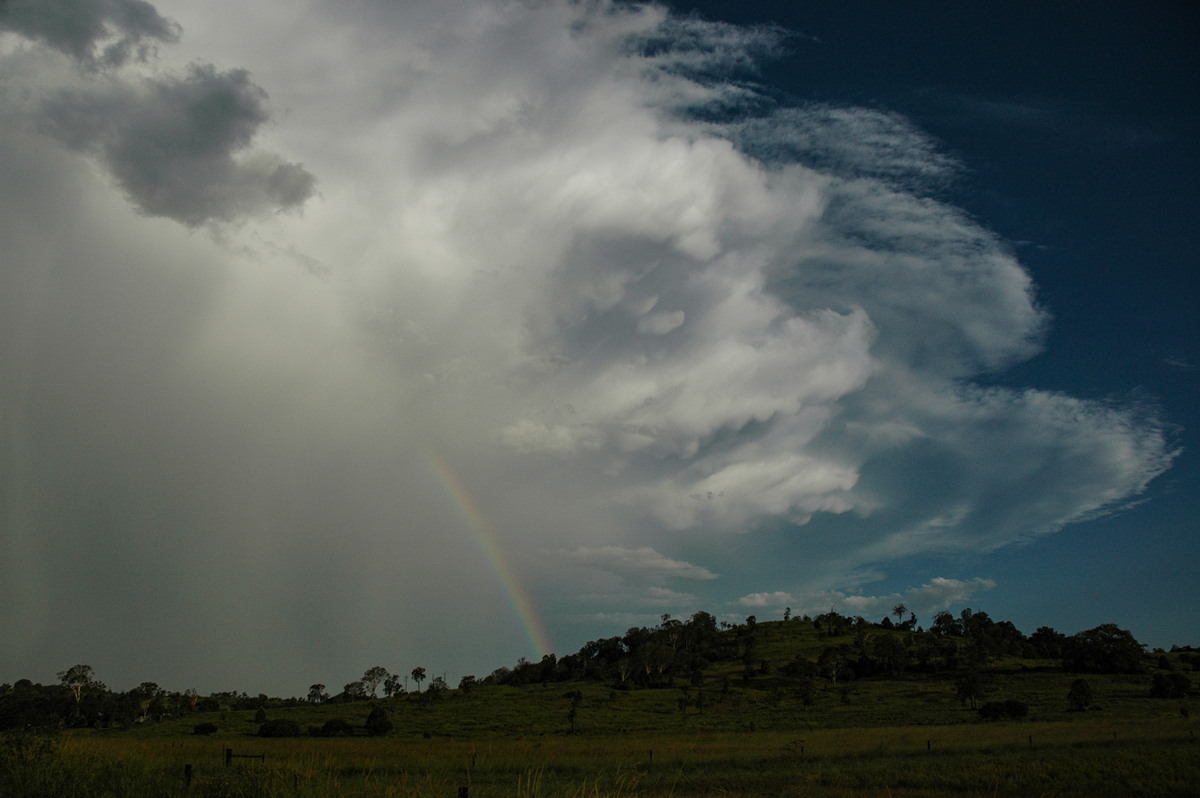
(674, 653)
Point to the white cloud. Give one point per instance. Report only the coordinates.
(774, 600)
(938, 594)
(642, 562)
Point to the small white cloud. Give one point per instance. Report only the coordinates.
(775, 599)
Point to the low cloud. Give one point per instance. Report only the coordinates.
(775, 600)
(180, 147)
(93, 32)
(938, 594)
(642, 563)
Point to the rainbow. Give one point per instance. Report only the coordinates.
(518, 595)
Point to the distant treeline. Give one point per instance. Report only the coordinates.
(665, 655)
(675, 649)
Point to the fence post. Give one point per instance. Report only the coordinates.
(187, 775)
(228, 757)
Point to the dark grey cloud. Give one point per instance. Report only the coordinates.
(94, 32)
(180, 147)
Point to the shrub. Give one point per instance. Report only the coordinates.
(1170, 685)
(1080, 697)
(378, 723)
(279, 728)
(204, 728)
(998, 710)
(336, 728)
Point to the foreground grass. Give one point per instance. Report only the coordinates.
(1086, 757)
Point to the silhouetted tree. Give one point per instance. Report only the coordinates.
(418, 676)
(1105, 649)
(317, 694)
(372, 678)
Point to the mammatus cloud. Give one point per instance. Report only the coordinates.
(630, 333)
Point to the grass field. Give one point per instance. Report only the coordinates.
(1088, 757)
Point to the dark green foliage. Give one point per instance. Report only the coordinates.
(1170, 685)
(1105, 649)
(260, 715)
(969, 687)
(204, 728)
(1080, 695)
(1000, 710)
(280, 727)
(378, 723)
(334, 727)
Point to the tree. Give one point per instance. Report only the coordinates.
(576, 698)
(77, 679)
(392, 685)
(1080, 697)
(372, 678)
(418, 675)
(899, 611)
(969, 687)
(317, 694)
(1105, 649)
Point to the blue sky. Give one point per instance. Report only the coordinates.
(441, 333)
(1073, 123)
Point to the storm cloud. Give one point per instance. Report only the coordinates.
(630, 330)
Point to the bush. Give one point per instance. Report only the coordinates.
(279, 728)
(998, 710)
(1170, 685)
(336, 728)
(378, 723)
(1080, 696)
(204, 728)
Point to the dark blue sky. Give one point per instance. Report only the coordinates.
(1076, 125)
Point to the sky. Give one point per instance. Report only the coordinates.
(444, 333)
